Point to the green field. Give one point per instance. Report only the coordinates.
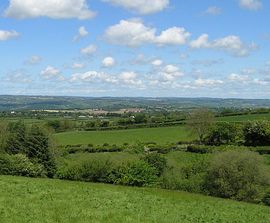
(25, 200)
(131, 136)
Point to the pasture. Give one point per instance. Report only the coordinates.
(26, 200)
(160, 135)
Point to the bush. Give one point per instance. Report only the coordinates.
(20, 165)
(222, 134)
(157, 161)
(257, 133)
(189, 177)
(237, 175)
(266, 198)
(137, 173)
(95, 171)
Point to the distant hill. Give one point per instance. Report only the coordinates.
(8, 103)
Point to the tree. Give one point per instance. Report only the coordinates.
(38, 148)
(16, 141)
(4, 135)
(140, 118)
(237, 175)
(200, 121)
(257, 133)
(222, 133)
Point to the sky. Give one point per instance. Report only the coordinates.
(138, 48)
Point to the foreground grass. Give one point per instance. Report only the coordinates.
(159, 135)
(42, 200)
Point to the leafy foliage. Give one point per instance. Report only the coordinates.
(257, 133)
(237, 175)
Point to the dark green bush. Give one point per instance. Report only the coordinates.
(20, 165)
(137, 173)
(95, 171)
(190, 177)
(237, 175)
(223, 134)
(266, 198)
(157, 161)
(257, 133)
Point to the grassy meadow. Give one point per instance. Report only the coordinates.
(25, 200)
(160, 135)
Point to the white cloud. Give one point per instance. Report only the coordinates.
(77, 65)
(51, 72)
(82, 32)
(207, 82)
(201, 42)
(170, 73)
(238, 77)
(141, 6)
(231, 44)
(157, 62)
(251, 4)
(173, 36)
(89, 50)
(33, 60)
(130, 78)
(93, 76)
(56, 9)
(213, 10)
(134, 33)
(108, 62)
(7, 35)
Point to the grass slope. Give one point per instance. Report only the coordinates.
(131, 136)
(25, 200)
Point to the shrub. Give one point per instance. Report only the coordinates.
(189, 177)
(237, 175)
(95, 171)
(137, 173)
(266, 198)
(222, 134)
(157, 161)
(20, 165)
(257, 133)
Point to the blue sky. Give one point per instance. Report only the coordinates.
(158, 48)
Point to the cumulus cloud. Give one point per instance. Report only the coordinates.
(207, 82)
(51, 72)
(55, 9)
(231, 44)
(170, 73)
(93, 76)
(173, 36)
(7, 35)
(82, 32)
(141, 6)
(213, 10)
(238, 77)
(130, 78)
(251, 4)
(133, 33)
(89, 50)
(157, 62)
(108, 62)
(77, 66)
